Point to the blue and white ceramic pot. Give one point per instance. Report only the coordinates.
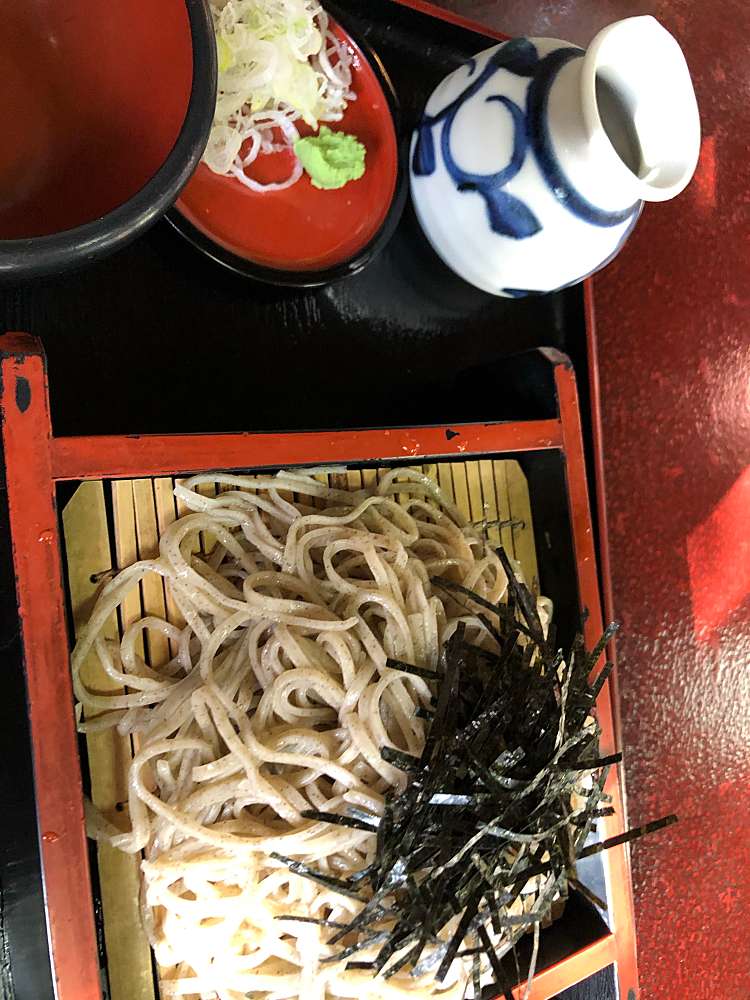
(532, 161)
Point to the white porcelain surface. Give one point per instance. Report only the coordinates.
(532, 161)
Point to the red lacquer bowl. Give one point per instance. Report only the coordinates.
(303, 236)
(105, 111)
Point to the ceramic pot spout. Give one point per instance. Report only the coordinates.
(636, 69)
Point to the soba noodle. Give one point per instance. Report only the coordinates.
(277, 699)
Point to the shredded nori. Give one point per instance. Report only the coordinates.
(496, 812)
(311, 920)
(351, 821)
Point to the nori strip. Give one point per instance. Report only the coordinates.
(587, 893)
(408, 958)
(497, 969)
(365, 817)
(446, 584)
(365, 873)
(410, 668)
(494, 909)
(604, 845)
(476, 974)
(596, 814)
(596, 795)
(456, 588)
(400, 937)
(358, 946)
(335, 925)
(452, 657)
(403, 761)
(592, 765)
(447, 799)
(609, 633)
(396, 876)
(525, 601)
(337, 820)
(624, 838)
(507, 740)
(460, 933)
(337, 884)
(427, 964)
(599, 682)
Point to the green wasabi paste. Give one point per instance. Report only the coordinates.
(332, 159)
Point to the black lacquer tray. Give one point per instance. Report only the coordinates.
(160, 339)
(403, 342)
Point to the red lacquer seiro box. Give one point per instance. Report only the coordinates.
(550, 452)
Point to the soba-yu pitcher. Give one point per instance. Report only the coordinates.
(532, 161)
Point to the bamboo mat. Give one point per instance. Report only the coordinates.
(110, 524)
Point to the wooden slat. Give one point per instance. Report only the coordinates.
(403, 498)
(431, 471)
(369, 478)
(474, 483)
(166, 512)
(339, 480)
(445, 480)
(354, 479)
(320, 502)
(88, 553)
(207, 539)
(126, 549)
(522, 528)
(489, 500)
(503, 505)
(180, 504)
(461, 489)
(152, 587)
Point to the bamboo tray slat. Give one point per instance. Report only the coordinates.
(110, 524)
(89, 559)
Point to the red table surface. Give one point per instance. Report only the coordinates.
(673, 335)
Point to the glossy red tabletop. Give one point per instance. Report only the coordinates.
(303, 228)
(673, 332)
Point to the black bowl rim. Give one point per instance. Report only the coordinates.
(247, 268)
(35, 256)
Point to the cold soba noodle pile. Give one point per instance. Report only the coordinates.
(278, 700)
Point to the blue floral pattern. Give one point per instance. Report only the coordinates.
(507, 214)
